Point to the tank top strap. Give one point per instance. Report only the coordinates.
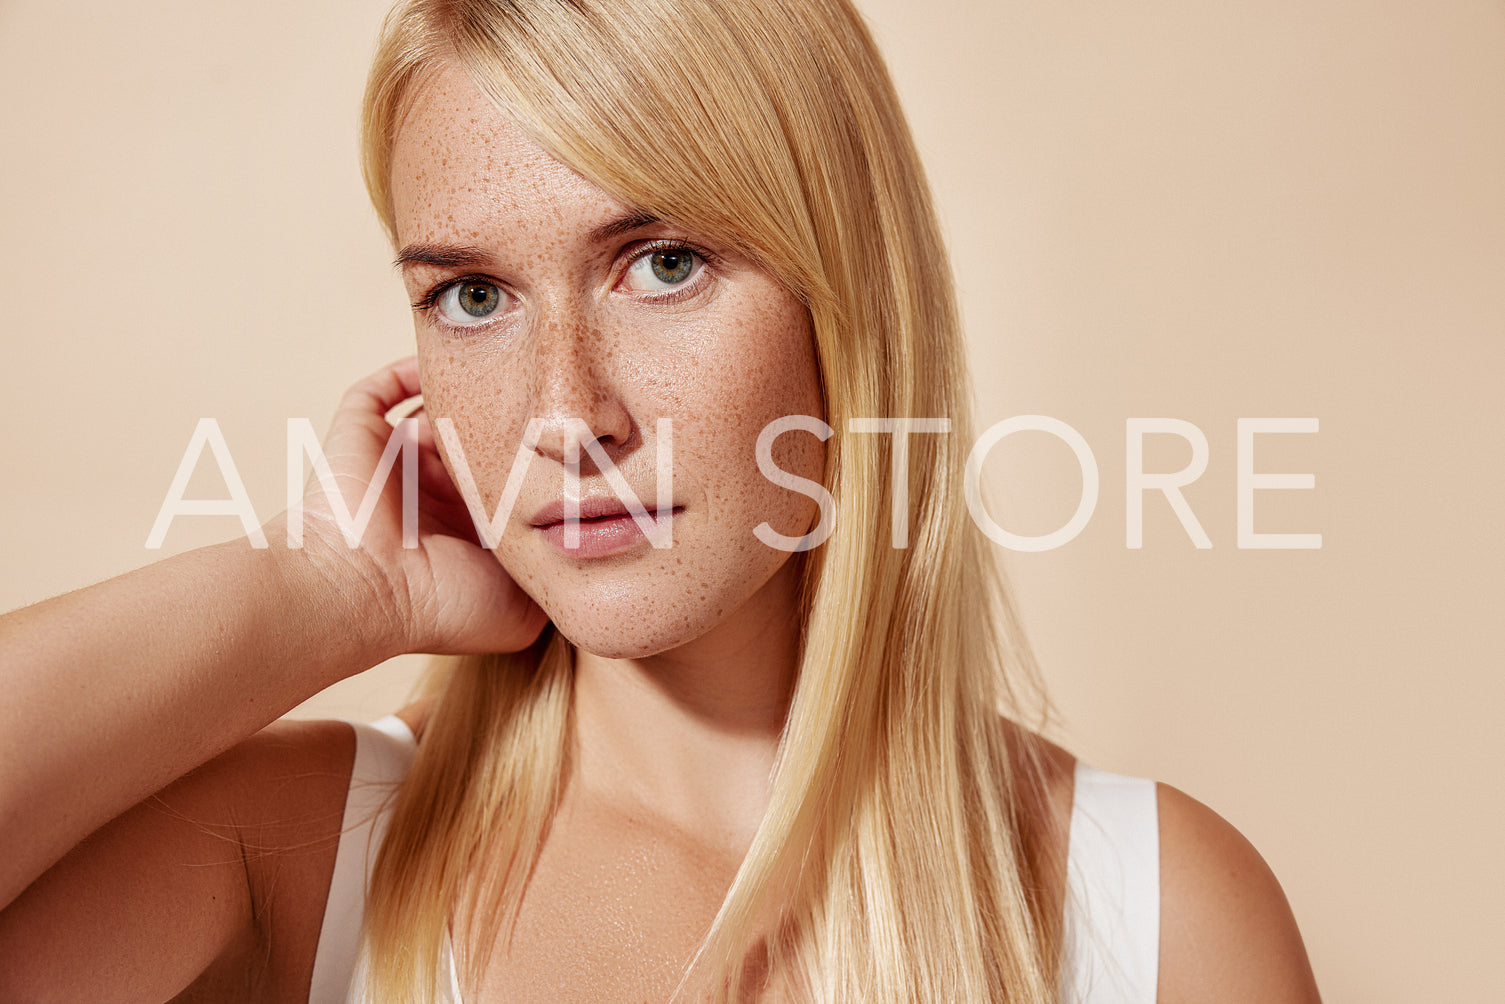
(1113, 891)
(384, 751)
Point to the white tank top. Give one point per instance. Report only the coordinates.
(1113, 880)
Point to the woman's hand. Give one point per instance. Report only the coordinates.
(115, 690)
(447, 594)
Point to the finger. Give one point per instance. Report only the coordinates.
(426, 438)
(434, 477)
(385, 389)
(451, 521)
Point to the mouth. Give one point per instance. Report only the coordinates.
(592, 510)
(601, 527)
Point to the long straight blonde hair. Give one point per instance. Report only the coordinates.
(904, 852)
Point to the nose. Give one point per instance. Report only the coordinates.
(574, 395)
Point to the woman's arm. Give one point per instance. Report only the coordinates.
(113, 691)
(1226, 930)
(215, 883)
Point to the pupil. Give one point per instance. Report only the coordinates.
(671, 266)
(478, 300)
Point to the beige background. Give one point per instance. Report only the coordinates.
(1201, 211)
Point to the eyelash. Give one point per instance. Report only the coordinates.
(708, 260)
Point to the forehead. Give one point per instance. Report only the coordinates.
(462, 170)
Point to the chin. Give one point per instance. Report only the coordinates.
(643, 609)
(633, 633)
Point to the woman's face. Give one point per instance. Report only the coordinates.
(550, 304)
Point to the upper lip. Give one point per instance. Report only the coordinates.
(589, 508)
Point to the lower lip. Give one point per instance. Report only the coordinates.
(598, 538)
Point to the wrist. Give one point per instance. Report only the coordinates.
(352, 606)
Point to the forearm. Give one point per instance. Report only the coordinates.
(113, 691)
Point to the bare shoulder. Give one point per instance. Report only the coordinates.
(282, 791)
(309, 759)
(212, 889)
(1226, 929)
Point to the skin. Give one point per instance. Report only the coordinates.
(214, 888)
(686, 654)
(695, 642)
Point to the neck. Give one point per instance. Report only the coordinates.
(690, 735)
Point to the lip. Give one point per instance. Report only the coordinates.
(605, 528)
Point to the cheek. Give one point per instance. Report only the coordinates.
(489, 422)
(485, 414)
(776, 377)
(788, 511)
(767, 375)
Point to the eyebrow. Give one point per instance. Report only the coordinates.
(621, 225)
(467, 256)
(441, 256)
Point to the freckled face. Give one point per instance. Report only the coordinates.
(549, 305)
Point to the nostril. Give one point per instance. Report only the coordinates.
(575, 441)
(578, 402)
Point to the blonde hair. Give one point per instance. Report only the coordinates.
(904, 852)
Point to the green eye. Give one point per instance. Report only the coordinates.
(672, 266)
(663, 269)
(465, 303)
(479, 300)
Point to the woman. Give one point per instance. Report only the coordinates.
(766, 760)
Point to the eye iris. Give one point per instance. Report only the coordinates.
(671, 266)
(479, 299)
